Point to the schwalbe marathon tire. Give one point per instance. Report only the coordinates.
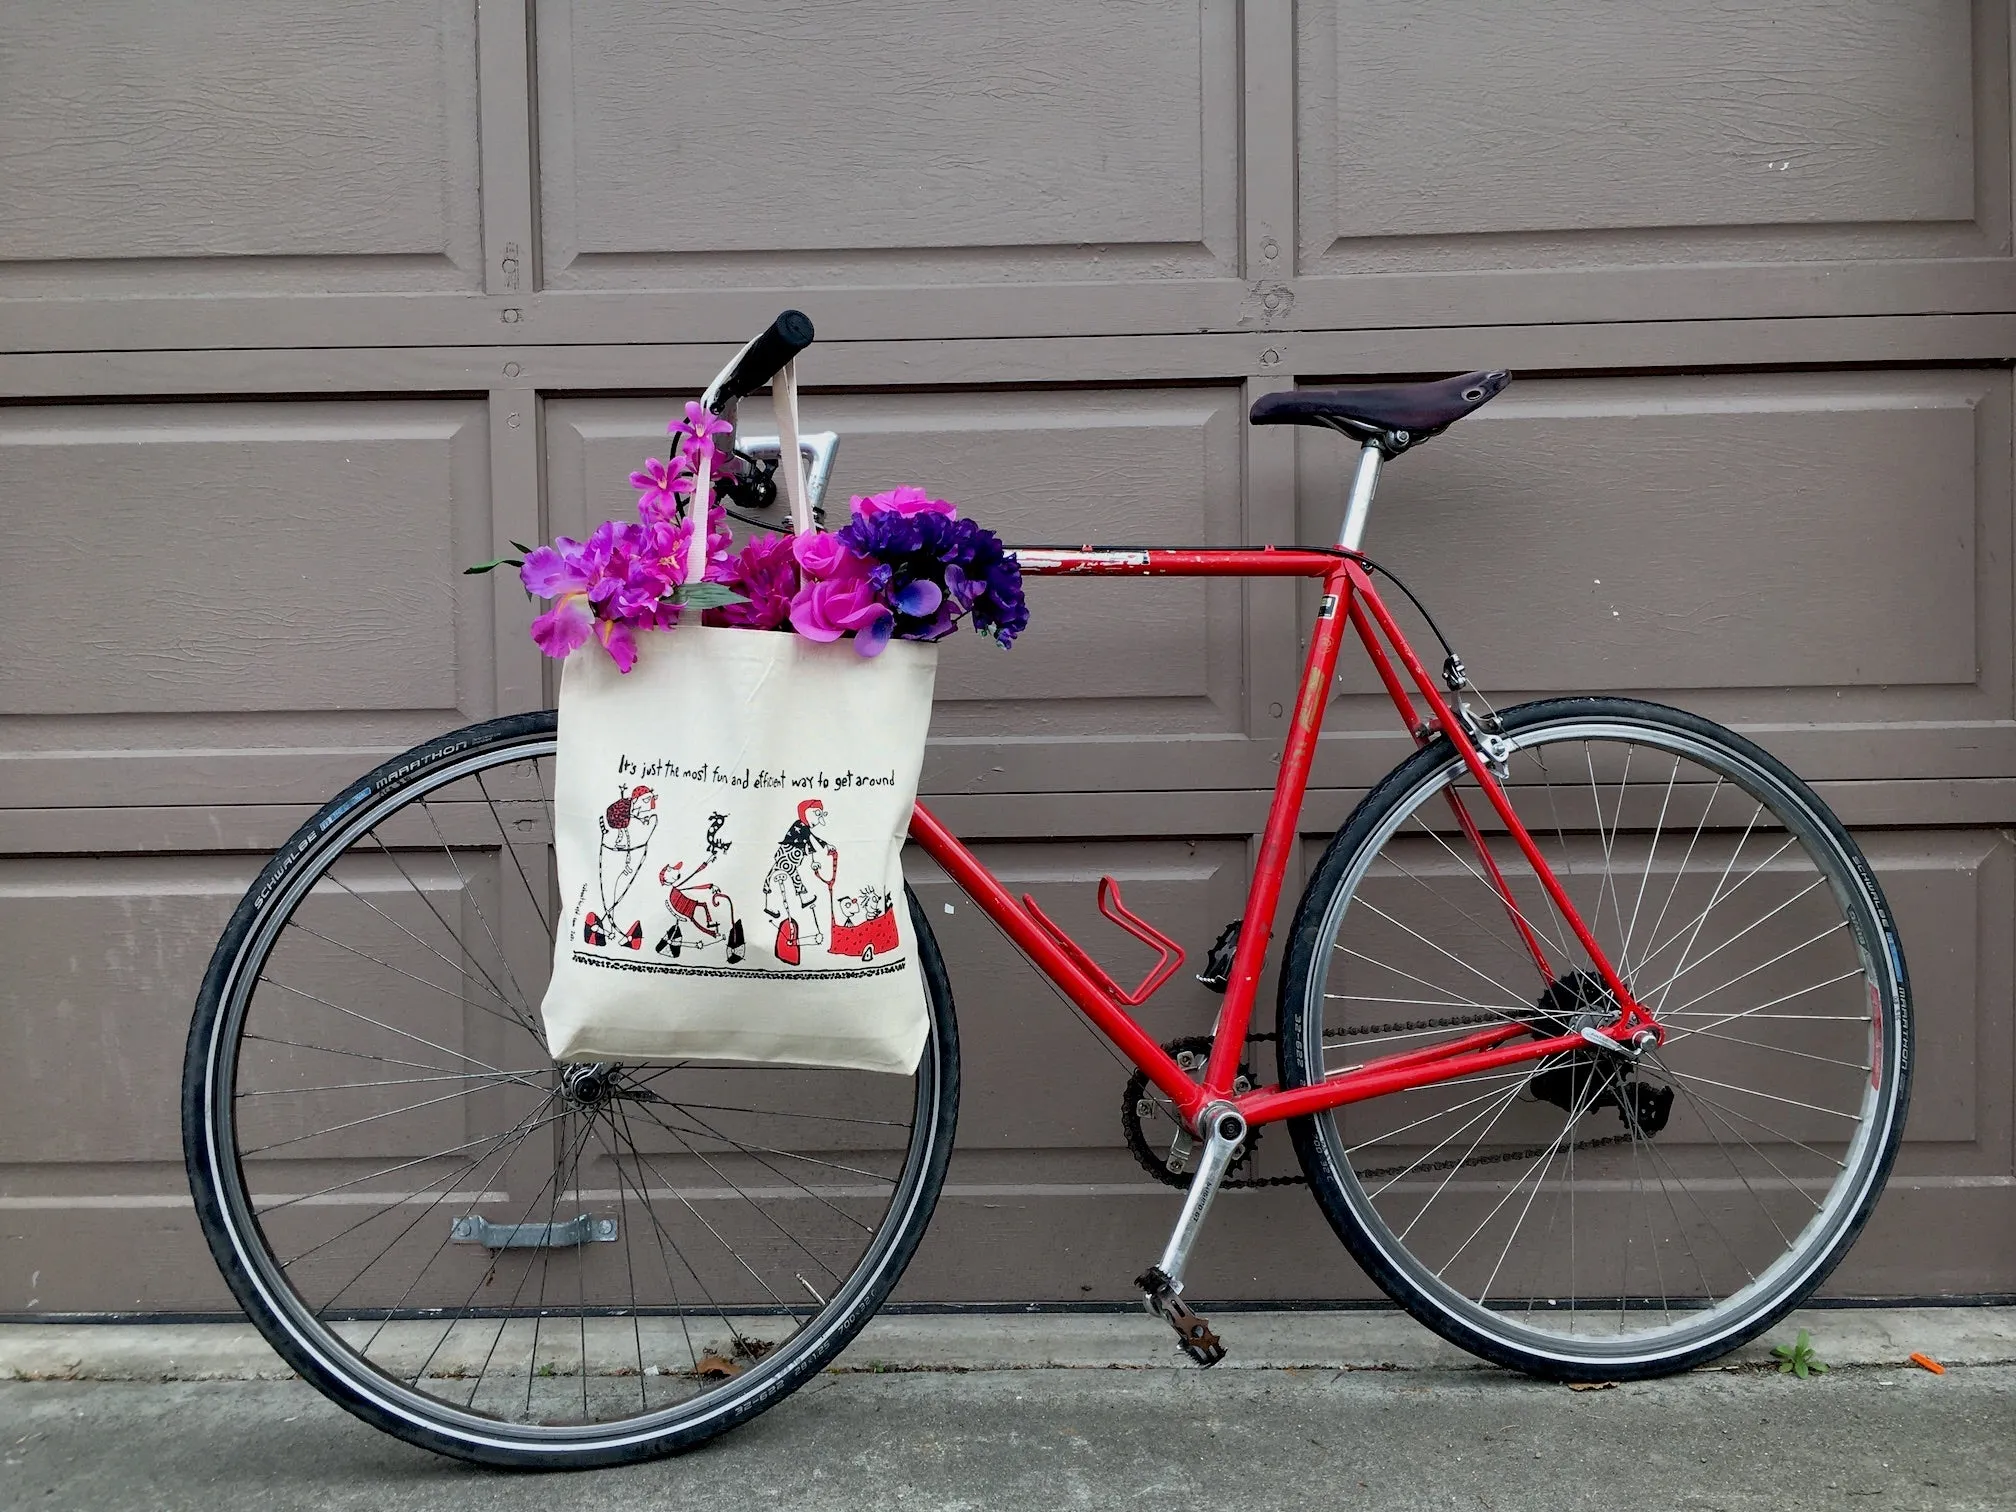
(201, 1150)
(1296, 976)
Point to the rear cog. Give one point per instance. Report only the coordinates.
(1165, 1149)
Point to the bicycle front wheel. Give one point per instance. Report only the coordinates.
(1588, 1216)
(475, 1249)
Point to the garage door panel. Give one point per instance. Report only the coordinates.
(1056, 466)
(1046, 142)
(1593, 134)
(1951, 893)
(1770, 549)
(224, 577)
(104, 960)
(261, 147)
(1752, 248)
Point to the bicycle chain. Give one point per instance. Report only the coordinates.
(1145, 1157)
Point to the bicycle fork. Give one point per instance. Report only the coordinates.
(1162, 1283)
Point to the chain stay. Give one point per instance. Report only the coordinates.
(1156, 1168)
(1464, 1021)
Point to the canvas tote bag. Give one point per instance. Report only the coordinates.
(729, 824)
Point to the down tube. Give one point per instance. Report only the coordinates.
(972, 878)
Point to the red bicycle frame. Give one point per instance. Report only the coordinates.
(1348, 597)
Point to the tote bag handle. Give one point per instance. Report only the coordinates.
(784, 397)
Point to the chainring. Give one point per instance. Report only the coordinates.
(1134, 1124)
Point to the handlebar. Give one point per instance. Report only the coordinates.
(760, 361)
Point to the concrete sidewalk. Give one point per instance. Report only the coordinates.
(1382, 1339)
(1003, 1412)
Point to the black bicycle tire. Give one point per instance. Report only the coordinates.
(200, 1149)
(1299, 964)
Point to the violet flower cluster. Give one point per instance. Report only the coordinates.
(904, 567)
(931, 569)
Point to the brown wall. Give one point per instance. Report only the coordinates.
(303, 306)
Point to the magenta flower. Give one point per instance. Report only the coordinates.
(765, 572)
(826, 610)
(696, 427)
(662, 488)
(594, 585)
(837, 596)
(907, 500)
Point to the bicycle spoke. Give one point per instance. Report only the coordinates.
(427, 901)
(361, 1029)
(1731, 1018)
(1601, 1241)
(489, 986)
(401, 971)
(531, 893)
(1624, 965)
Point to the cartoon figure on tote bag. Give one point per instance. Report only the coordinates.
(786, 896)
(627, 827)
(863, 923)
(702, 915)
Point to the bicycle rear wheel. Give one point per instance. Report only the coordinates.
(475, 1249)
(1588, 1217)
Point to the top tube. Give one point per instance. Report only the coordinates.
(1180, 561)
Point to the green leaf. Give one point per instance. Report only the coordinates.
(1798, 1358)
(704, 596)
(496, 562)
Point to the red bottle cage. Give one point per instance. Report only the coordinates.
(1111, 906)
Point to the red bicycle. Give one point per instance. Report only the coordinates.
(1592, 1039)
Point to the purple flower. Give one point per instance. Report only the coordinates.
(932, 569)
(662, 489)
(560, 572)
(697, 427)
(665, 488)
(611, 585)
(597, 586)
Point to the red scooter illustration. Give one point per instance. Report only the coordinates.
(707, 912)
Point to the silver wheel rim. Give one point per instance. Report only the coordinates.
(769, 1376)
(1678, 1329)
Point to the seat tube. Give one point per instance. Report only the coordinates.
(1364, 482)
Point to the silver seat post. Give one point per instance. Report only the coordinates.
(1363, 483)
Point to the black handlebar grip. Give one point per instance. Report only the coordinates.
(789, 334)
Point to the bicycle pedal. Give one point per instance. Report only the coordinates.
(1193, 1334)
(1217, 972)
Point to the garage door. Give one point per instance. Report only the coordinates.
(304, 305)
